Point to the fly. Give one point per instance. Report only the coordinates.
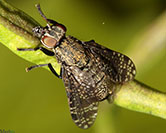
(90, 72)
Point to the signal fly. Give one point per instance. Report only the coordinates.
(90, 72)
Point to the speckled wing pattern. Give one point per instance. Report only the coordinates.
(120, 67)
(83, 108)
(81, 85)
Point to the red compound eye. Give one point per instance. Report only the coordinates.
(61, 26)
(49, 41)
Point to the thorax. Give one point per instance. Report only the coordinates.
(71, 52)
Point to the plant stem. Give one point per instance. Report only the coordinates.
(15, 32)
(139, 97)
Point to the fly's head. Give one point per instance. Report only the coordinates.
(51, 34)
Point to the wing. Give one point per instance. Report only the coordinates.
(119, 67)
(83, 107)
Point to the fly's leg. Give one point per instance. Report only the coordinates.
(47, 52)
(44, 50)
(111, 95)
(49, 66)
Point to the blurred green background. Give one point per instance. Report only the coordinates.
(36, 101)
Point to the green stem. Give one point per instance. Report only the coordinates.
(139, 97)
(15, 32)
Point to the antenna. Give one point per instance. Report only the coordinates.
(42, 14)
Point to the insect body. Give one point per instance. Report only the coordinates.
(89, 71)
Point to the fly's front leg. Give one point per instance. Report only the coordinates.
(44, 50)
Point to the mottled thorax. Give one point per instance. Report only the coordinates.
(71, 52)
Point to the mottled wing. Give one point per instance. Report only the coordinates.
(120, 67)
(83, 108)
